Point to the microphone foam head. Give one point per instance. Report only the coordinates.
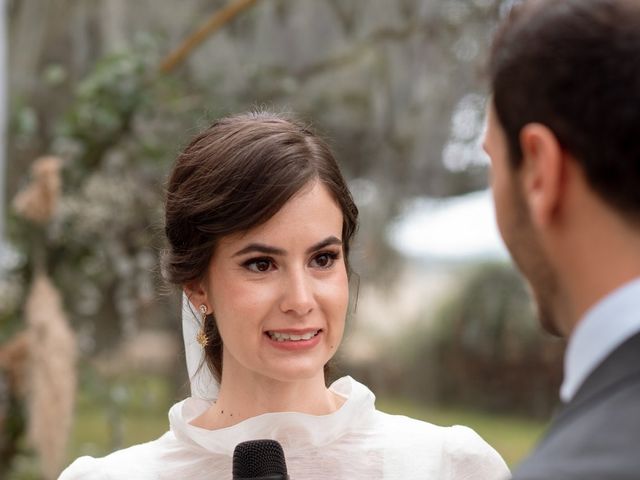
(258, 458)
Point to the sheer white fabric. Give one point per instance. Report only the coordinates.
(355, 442)
(203, 383)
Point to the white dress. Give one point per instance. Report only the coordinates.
(355, 442)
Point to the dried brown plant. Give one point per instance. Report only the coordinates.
(14, 356)
(38, 200)
(52, 375)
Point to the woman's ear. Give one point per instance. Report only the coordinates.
(197, 294)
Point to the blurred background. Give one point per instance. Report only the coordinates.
(96, 99)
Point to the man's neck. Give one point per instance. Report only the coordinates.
(591, 246)
(595, 266)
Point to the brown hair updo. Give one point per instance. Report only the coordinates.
(233, 177)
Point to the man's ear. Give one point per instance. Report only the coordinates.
(197, 294)
(542, 171)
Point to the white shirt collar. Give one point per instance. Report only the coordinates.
(603, 328)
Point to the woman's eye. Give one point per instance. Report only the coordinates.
(324, 260)
(259, 265)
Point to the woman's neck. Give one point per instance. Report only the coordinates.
(244, 395)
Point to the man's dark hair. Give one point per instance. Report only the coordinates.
(574, 66)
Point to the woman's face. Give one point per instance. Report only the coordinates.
(279, 292)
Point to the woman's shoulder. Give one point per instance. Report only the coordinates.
(461, 448)
(454, 438)
(138, 461)
(86, 467)
(469, 454)
(411, 427)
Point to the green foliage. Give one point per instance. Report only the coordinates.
(491, 314)
(487, 350)
(11, 291)
(24, 122)
(24, 467)
(106, 104)
(102, 244)
(119, 411)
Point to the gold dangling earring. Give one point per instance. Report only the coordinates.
(201, 337)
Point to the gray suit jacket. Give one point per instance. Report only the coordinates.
(596, 436)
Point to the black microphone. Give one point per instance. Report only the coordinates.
(259, 460)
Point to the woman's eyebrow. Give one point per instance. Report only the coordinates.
(260, 248)
(324, 243)
(269, 250)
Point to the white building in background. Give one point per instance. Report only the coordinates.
(4, 79)
(438, 238)
(8, 256)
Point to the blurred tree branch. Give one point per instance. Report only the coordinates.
(216, 21)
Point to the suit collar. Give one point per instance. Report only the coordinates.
(618, 369)
(622, 363)
(603, 328)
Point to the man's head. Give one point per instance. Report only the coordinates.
(565, 81)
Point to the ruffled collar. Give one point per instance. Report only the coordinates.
(293, 430)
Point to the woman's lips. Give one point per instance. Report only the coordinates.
(294, 339)
(292, 335)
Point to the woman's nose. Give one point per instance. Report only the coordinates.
(297, 296)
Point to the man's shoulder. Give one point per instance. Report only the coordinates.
(592, 438)
(609, 454)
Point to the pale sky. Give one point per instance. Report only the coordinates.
(455, 228)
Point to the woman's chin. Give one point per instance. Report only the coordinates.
(296, 371)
